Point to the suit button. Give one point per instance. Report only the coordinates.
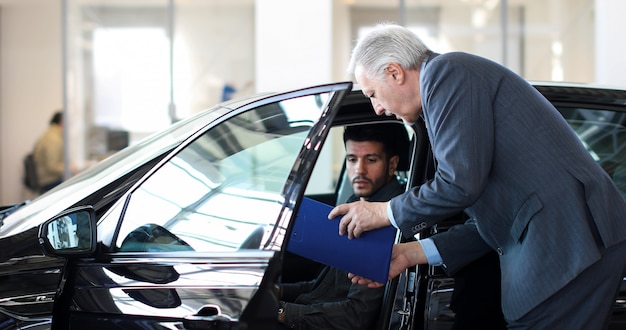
(500, 251)
(420, 226)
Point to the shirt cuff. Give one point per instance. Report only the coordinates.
(390, 216)
(431, 252)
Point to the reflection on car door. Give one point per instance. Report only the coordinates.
(197, 237)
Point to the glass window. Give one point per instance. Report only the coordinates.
(604, 135)
(224, 191)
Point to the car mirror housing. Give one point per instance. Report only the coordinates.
(70, 234)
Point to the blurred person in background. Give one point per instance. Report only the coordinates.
(48, 154)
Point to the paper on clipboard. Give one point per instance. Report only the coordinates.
(317, 238)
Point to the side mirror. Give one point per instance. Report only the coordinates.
(70, 234)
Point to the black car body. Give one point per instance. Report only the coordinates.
(188, 228)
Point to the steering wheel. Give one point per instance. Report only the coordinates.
(254, 240)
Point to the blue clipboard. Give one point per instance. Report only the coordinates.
(317, 238)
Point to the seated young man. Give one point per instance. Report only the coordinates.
(331, 301)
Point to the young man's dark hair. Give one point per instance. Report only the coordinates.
(393, 136)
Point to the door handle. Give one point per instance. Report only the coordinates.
(208, 317)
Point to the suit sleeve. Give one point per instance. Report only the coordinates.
(459, 117)
(291, 291)
(460, 245)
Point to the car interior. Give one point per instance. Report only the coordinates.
(297, 268)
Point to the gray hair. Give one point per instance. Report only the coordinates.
(385, 44)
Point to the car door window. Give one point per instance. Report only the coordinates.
(604, 135)
(224, 191)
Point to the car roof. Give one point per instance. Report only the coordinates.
(582, 93)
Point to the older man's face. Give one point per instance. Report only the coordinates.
(367, 166)
(396, 94)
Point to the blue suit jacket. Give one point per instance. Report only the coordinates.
(507, 158)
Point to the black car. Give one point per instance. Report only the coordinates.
(188, 228)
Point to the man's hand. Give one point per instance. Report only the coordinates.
(403, 256)
(356, 279)
(359, 217)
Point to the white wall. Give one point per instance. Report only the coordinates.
(342, 41)
(610, 46)
(211, 52)
(291, 49)
(30, 84)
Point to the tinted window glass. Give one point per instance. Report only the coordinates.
(603, 134)
(224, 191)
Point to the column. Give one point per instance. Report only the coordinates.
(610, 47)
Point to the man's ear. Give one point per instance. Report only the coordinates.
(393, 164)
(395, 71)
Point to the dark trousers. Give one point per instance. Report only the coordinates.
(476, 296)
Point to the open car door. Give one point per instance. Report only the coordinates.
(197, 242)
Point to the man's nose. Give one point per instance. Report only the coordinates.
(379, 110)
(360, 167)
